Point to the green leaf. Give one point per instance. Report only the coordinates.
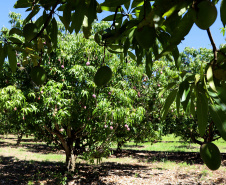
(67, 16)
(149, 63)
(115, 3)
(178, 103)
(176, 56)
(2, 56)
(223, 12)
(209, 77)
(31, 15)
(23, 3)
(182, 29)
(170, 11)
(30, 31)
(137, 3)
(127, 5)
(126, 46)
(170, 99)
(219, 119)
(139, 53)
(54, 32)
(15, 31)
(202, 113)
(111, 17)
(132, 55)
(86, 28)
(78, 17)
(183, 90)
(169, 86)
(15, 40)
(92, 11)
(192, 105)
(12, 58)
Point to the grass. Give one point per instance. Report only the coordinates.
(29, 151)
(170, 143)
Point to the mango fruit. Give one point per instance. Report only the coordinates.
(205, 14)
(102, 76)
(210, 155)
(38, 75)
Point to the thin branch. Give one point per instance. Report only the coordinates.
(47, 21)
(213, 45)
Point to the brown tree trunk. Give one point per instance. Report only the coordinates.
(19, 138)
(70, 161)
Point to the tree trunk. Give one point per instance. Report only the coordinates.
(19, 138)
(119, 147)
(70, 160)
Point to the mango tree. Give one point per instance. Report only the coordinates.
(70, 110)
(140, 27)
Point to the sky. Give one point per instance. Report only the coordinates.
(196, 38)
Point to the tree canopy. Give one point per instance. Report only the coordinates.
(143, 30)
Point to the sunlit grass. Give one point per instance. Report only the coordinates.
(170, 143)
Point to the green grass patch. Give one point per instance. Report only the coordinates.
(170, 143)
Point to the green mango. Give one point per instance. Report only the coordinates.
(210, 154)
(205, 14)
(102, 76)
(38, 75)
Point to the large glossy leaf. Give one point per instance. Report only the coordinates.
(223, 12)
(219, 118)
(202, 112)
(66, 16)
(15, 40)
(170, 99)
(30, 31)
(209, 76)
(23, 3)
(12, 58)
(178, 103)
(139, 54)
(176, 56)
(15, 31)
(92, 11)
(54, 32)
(86, 28)
(149, 63)
(126, 46)
(182, 29)
(34, 12)
(78, 16)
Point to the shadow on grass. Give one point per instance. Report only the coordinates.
(133, 146)
(15, 172)
(42, 149)
(154, 156)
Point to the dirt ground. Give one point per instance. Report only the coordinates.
(128, 168)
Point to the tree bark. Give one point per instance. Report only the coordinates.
(19, 138)
(70, 161)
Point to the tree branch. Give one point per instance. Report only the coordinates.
(213, 45)
(47, 21)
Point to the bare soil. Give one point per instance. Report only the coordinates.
(129, 167)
